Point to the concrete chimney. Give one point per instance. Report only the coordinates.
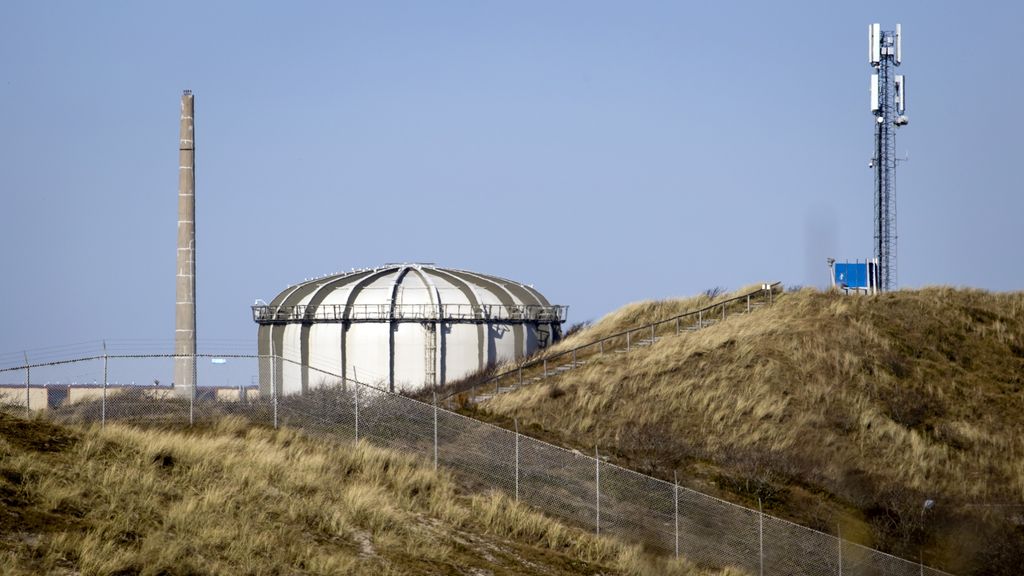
(185, 307)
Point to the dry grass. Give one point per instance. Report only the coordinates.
(626, 318)
(236, 499)
(645, 312)
(837, 410)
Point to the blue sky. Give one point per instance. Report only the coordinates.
(604, 152)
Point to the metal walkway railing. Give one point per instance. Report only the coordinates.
(519, 313)
(546, 364)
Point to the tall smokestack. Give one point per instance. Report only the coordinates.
(185, 307)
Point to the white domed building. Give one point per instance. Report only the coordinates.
(403, 326)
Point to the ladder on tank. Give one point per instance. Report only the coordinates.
(543, 335)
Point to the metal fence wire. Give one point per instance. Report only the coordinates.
(581, 489)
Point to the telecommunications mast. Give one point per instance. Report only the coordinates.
(888, 104)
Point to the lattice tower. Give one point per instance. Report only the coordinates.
(888, 101)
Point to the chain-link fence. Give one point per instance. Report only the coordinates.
(581, 489)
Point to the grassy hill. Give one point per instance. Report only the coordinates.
(840, 412)
(235, 499)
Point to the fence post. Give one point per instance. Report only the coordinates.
(573, 357)
(675, 487)
(748, 303)
(597, 482)
(628, 333)
(28, 386)
(723, 311)
(545, 367)
(760, 536)
(700, 318)
(192, 394)
(273, 386)
(516, 420)
(103, 410)
(356, 404)
(653, 333)
(677, 326)
(839, 538)
(435, 431)
(520, 374)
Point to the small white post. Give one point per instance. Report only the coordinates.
(435, 430)
(675, 486)
(628, 343)
(597, 482)
(545, 367)
(760, 536)
(839, 537)
(517, 458)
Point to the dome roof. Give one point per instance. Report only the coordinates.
(408, 292)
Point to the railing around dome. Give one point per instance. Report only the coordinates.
(516, 313)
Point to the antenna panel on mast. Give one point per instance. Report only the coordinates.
(874, 93)
(874, 44)
(901, 94)
(899, 44)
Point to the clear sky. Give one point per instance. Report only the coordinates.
(604, 152)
